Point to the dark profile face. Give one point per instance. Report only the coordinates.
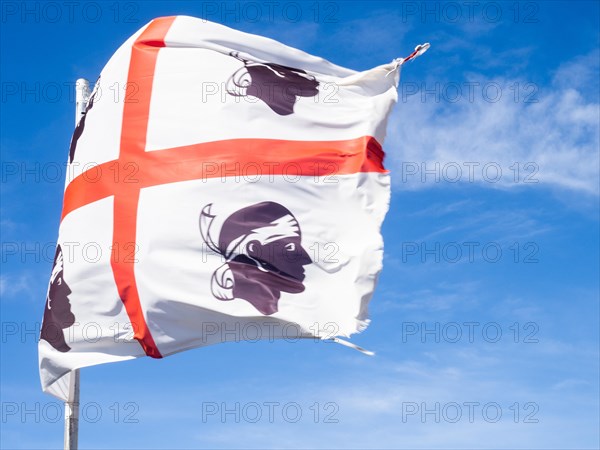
(284, 257)
(263, 249)
(276, 85)
(57, 314)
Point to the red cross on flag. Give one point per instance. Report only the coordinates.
(222, 186)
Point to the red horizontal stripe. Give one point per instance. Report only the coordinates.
(231, 158)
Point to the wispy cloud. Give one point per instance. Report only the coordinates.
(19, 285)
(414, 404)
(549, 134)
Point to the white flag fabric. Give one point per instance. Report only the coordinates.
(222, 186)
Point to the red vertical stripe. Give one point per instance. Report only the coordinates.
(138, 93)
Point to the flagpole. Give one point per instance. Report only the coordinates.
(72, 413)
(82, 94)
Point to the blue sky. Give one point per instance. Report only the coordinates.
(493, 228)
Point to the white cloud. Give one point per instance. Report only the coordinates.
(558, 134)
(18, 285)
(386, 406)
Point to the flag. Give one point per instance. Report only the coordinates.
(222, 186)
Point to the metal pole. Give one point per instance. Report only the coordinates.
(72, 412)
(82, 94)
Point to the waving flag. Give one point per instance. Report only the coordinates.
(218, 180)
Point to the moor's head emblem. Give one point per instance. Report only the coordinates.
(263, 253)
(278, 86)
(57, 314)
